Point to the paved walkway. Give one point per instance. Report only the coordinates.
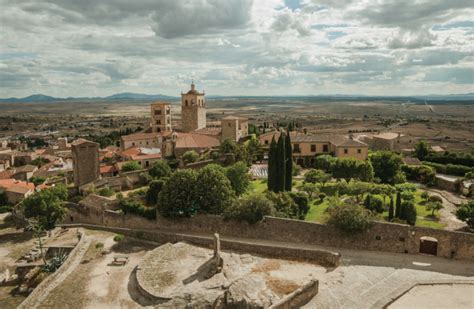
(448, 213)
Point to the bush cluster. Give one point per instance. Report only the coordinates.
(450, 169)
(137, 208)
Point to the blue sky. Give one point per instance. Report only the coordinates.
(236, 47)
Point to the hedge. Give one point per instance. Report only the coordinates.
(450, 169)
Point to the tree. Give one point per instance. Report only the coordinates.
(422, 149)
(465, 212)
(214, 190)
(410, 213)
(434, 206)
(317, 176)
(285, 206)
(160, 169)
(44, 210)
(178, 197)
(37, 180)
(280, 160)
(398, 205)
(154, 190)
(252, 208)
(325, 163)
(131, 166)
(387, 166)
(46, 206)
(303, 203)
(390, 210)
(272, 168)
(311, 189)
(348, 168)
(254, 150)
(348, 218)
(190, 156)
(288, 163)
(238, 177)
(357, 189)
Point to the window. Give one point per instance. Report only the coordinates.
(229, 124)
(266, 142)
(186, 102)
(168, 120)
(313, 148)
(147, 163)
(157, 112)
(133, 144)
(325, 148)
(359, 150)
(158, 121)
(296, 148)
(346, 151)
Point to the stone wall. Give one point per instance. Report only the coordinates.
(386, 237)
(299, 297)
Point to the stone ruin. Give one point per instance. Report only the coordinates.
(183, 275)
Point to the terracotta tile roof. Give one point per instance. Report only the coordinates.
(140, 136)
(6, 174)
(195, 140)
(8, 184)
(209, 131)
(142, 156)
(107, 169)
(131, 151)
(350, 143)
(26, 168)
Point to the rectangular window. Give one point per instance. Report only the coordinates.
(313, 148)
(157, 112)
(359, 150)
(296, 148)
(346, 151)
(325, 148)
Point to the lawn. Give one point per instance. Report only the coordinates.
(316, 211)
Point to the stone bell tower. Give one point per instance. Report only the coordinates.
(193, 110)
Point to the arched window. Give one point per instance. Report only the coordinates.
(186, 102)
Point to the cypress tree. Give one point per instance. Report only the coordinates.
(280, 164)
(288, 163)
(398, 204)
(390, 210)
(271, 165)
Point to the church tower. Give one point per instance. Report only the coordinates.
(193, 110)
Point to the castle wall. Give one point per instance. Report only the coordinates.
(386, 237)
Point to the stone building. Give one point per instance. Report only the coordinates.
(234, 128)
(160, 117)
(85, 158)
(193, 110)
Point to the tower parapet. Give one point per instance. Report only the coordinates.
(193, 110)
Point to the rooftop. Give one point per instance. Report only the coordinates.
(196, 140)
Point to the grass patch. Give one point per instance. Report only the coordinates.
(316, 211)
(258, 186)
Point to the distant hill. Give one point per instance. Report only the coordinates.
(124, 96)
(467, 98)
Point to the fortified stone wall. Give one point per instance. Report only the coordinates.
(387, 237)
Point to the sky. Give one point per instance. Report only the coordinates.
(92, 48)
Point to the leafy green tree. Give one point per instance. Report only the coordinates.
(46, 206)
(348, 168)
(190, 156)
(348, 218)
(238, 177)
(387, 166)
(251, 208)
(37, 180)
(422, 149)
(358, 189)
(154, 190)
(410, 212)
(434, 206)
(160, 169)
(303, 203)
(214, 190)
(288, 163)
(465, 212)
(373, 204)
(311, 189)
(178, 197)
(254, 150)
(106, 191)
(131, 166)
(272, 166)
(325, 163)
(317, 176)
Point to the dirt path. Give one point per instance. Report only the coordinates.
(447, 214)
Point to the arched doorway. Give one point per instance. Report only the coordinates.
(429, 245)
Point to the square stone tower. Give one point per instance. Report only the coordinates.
(160, 117)
(85, 161)
(234, 128)
(193, 110)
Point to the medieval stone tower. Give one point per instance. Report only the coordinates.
(160, 117)
(85, 161)
(193, 110)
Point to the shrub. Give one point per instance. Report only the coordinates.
(160, 169)
(54, 263)
(99, 245)
(106, 191)
(190, 156)
(137, 208)
(425, 196)
(322, 196)
(325, 163)
(155, 188)
(435, 199)
(349, 218)
(251, 208)
(285, 206)
(303, 204)
(119, 238)
(410, 212)
(131, 166)
(465, 212)
(238, 177)
(434, 206)
(466, 159)
(373, 204)
(421, 173)
(450, 169)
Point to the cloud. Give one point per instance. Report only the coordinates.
(290, 20)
